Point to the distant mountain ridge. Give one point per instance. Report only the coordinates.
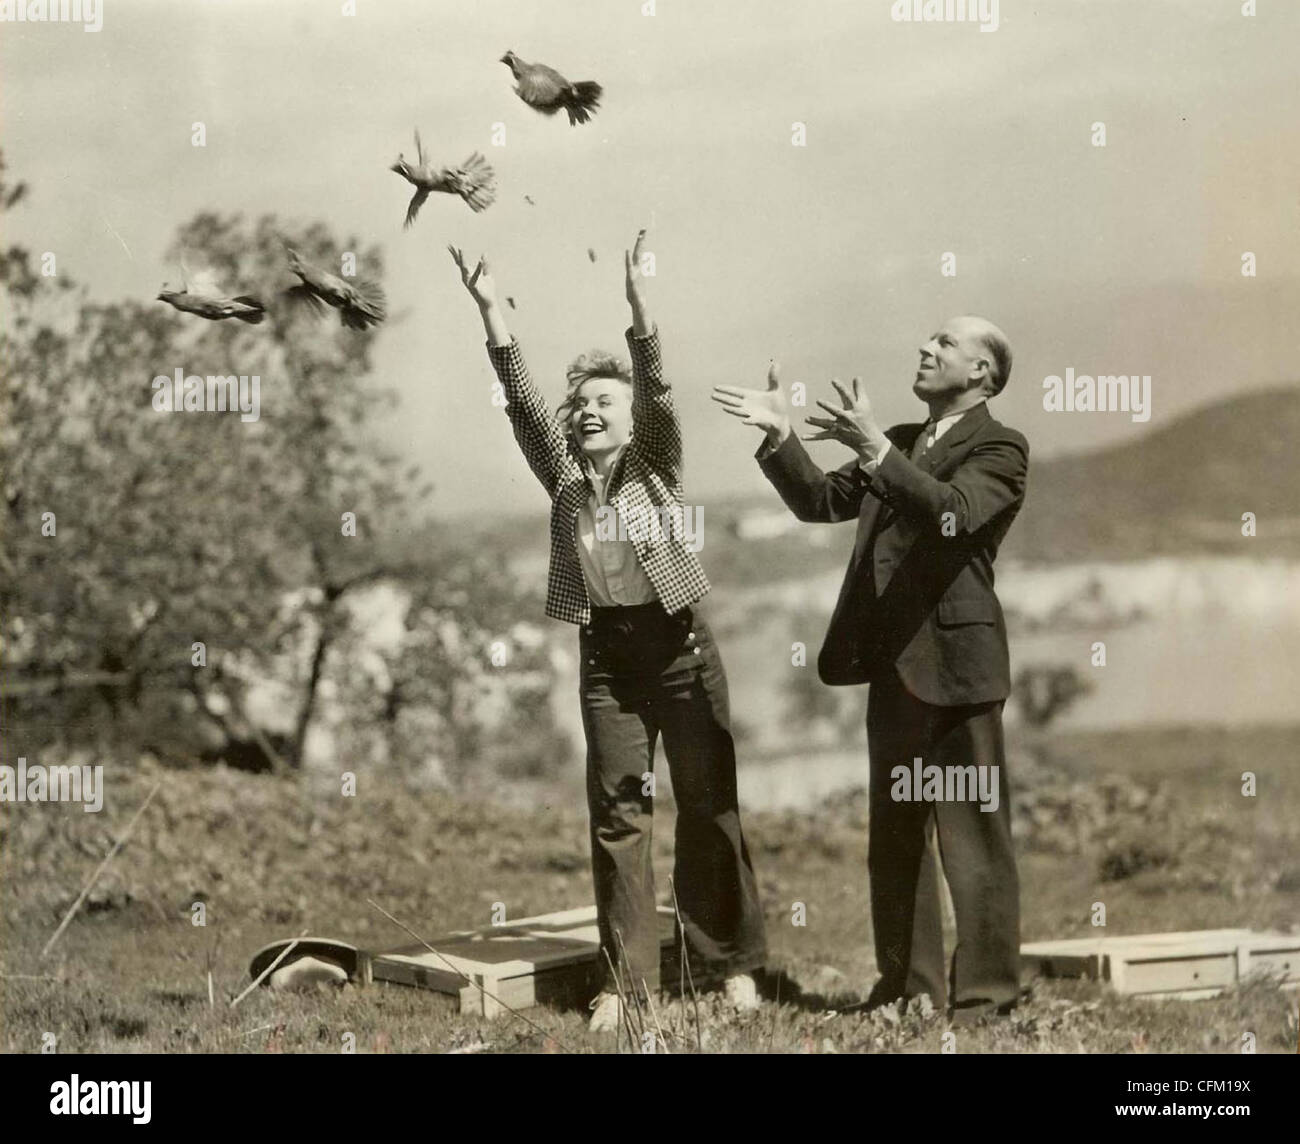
(1178, 489)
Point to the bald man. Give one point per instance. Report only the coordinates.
(917, 619)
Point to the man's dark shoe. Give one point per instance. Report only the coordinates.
(879, 998)
(969, 1013)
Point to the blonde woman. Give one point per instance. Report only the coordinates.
(649, 666)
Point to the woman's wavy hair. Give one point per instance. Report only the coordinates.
(592, 364)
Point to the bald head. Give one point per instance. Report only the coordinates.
(963, 362)
(993, 346)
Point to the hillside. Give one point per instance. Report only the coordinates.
(1178, 489)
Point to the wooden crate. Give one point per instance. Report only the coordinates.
(549, 959)
(1197, 963)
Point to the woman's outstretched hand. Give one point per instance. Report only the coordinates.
(635, 279)
(482, 288)
(635, 287)
(479, 282)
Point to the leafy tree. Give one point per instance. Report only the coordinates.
(171, 529)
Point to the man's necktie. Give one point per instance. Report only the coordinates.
(920, 447)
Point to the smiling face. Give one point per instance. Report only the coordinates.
(954, 361)
(601, 415)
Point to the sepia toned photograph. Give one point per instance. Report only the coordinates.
(649, 528)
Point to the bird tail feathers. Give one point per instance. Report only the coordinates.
(478, 183)
(369, 308)
(256, 314)
(304, 297)
(582, 101)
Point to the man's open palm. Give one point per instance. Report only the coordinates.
(765, 408)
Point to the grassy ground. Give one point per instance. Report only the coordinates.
(1169, 844)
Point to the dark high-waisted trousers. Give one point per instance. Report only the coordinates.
(644, 674)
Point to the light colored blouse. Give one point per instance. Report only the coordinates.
(610, 569)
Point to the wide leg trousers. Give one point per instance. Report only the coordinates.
(974, 845)
(644, 674)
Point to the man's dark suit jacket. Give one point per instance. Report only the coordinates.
(918, 594)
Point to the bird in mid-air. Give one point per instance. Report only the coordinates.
(591, 253)
(360, 304)
(529, 200)
(546, 90)
(474, 180)
(510, 302)
(203, 296)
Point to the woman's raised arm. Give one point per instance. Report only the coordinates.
(540, 439)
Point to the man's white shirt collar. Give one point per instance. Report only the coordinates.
(945, 423)
(940, 428)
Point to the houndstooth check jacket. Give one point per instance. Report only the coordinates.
(646, 478)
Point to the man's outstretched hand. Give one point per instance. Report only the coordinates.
(853, 425)
(765, 408)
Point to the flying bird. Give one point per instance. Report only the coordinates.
(529, 200)
(545, 90)
(591, 253)
(511, 302)
(203, 296)
(360, 304)
(474, 180)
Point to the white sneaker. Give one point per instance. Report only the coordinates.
(742, 993)
(607, 1013)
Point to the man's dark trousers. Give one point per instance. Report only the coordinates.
(917, 618)
(975, 847)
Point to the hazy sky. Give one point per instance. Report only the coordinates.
(921, 139)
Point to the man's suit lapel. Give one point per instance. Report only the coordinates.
(874, 515)
(905, 437)
(956, 434)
